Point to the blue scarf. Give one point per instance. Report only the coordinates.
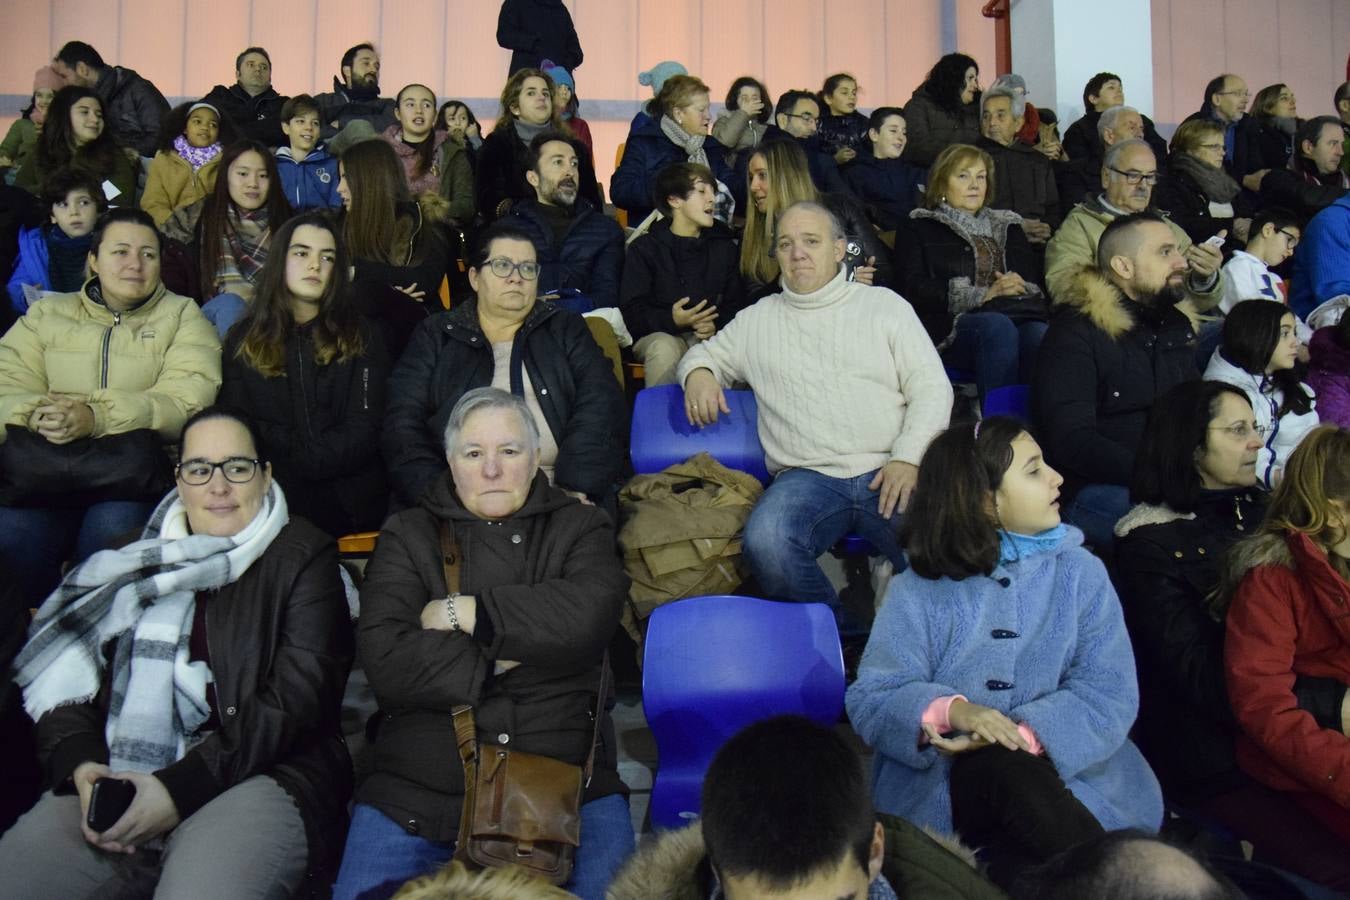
(1013, 547)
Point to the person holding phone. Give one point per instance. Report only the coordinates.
(194, 677)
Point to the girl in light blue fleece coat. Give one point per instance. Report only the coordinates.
(1002, 643)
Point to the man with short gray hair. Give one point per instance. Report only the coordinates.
(1128, 175)
(850, 392)
(1081, 177)
(1022, 179)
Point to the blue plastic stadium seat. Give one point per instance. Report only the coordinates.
(662, 435)
(1013, 400)
(714, 664)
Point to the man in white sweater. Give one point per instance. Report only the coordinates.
(850, 392)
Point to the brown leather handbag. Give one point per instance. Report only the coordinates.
(520, 809)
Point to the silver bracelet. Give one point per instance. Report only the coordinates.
(450, 612)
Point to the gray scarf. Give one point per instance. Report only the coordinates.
(1214, 183)
(691, 144)
(527, 132)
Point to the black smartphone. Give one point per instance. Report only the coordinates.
(108, 802)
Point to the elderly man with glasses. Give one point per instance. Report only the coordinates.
(506, 337)
(1128, 175)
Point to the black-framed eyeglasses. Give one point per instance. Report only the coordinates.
(1233, 93)
(1149, 178)
(1241, 430)
(503, 267)
(808, 118)
(1291, 238)
(236, 469)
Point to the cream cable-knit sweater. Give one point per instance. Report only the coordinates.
(846, 378)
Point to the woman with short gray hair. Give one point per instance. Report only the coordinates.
(519, 638)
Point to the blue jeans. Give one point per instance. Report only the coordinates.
(223, 310)
(800, 516)
(380, 855)
(1095, 509)
(999, 352)
(35, 542)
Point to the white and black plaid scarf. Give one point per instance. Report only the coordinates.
(143, 596)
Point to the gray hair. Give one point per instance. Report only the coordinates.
(1017, 101)
(489, 398)
(1119, 149)
(836, 227)
(1110, 117)
(1003, 92)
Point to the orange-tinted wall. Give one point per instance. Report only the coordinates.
(186, 46)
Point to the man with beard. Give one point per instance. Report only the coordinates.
(580, 250)
(1116, 343)
(1128, 175)
(357, 95)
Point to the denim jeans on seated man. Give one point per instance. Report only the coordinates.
(999, 351)
(381, 856)
(1095, 509)
(802, 515)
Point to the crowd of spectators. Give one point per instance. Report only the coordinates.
(351, 312)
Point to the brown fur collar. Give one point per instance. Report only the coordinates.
(1090, 292)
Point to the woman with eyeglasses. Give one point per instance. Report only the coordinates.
(200, 671)
(311, 371)
(504, 338)
(1285, 590)
(1259, 354)
(1195, 488)
(1196, 191)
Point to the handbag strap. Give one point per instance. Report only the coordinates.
(466, 729)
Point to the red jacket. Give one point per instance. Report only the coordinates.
(1290, 616)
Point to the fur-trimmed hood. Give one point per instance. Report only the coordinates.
(1148, 514)
(1091, 293)
(665, 869)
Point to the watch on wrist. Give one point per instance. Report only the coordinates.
(450, 612)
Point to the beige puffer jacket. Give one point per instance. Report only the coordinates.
(150, 367)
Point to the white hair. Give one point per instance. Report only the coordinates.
(489, 398)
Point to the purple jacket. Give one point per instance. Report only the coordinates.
(1329, 376)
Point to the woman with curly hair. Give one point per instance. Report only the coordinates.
(944, 110)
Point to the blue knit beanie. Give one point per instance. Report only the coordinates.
(558, 74)
(656, 76)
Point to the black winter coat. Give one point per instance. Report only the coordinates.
(1024, 182)
(281, 649)
(1168, 567)
(646, 153)
(838, 132)
(536, 30)
(1082, 141)
(929, 253)
(342, 105)
(549, 589)
(1267, 147)
(590, 257)
(320, 428)
(133, 108)
(431, 260)
(500, 173)
(1104, 361)
(1302, 193)
(573, 382)
(662, 267)
(887, 188)
(258, 118)
(933, 127)
(1179, 196)
(1076, 180)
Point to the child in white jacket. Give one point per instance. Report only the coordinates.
(1259, 354)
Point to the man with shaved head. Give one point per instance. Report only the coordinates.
(1116, 342)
